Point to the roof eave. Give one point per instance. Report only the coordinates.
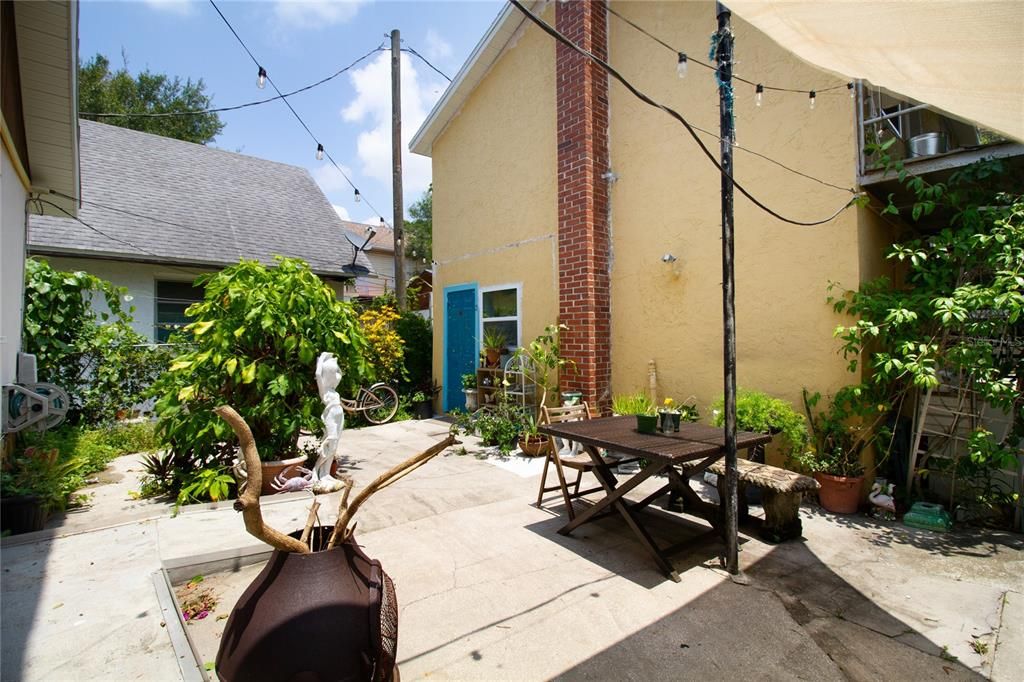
(484, 55)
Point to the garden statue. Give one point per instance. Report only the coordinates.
(328, 375)
(882, 499)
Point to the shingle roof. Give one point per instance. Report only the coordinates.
(193, 204)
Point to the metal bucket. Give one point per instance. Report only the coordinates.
(928, 144)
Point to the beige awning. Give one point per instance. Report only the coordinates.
(965, 57)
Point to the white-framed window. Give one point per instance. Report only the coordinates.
(501, 311)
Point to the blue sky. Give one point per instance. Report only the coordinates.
(299, 43)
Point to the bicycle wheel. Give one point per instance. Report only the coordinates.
(379, 404)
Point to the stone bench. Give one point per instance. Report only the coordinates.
(782, 491)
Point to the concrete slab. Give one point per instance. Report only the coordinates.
(1008, 652)
(488, 589)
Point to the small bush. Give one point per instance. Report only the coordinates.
(386, 346)
(759, 412)
(418, 336)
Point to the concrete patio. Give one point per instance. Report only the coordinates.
(489, 590)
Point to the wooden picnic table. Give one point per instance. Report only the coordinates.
(679, 455)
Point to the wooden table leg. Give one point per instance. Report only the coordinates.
(614, 499)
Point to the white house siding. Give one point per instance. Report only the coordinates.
(138, 278)
(12, 266)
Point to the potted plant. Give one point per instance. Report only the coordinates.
(495, 343)
(469, 390)
(255, 338)
(421, 405)
(32, 485)
(761, 413)
(838, 436)
(544, 356)
(532, 443)
(632, 404)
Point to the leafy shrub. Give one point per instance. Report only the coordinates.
(42, 473)
(257, 335)
(418, 338)
(103, 364)
(208, 484)
(756, 411)
(633, 403)
(386, 346)
(499, 424)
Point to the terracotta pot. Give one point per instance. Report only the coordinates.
(839, 494)
(23, 514)
(327, 615)
(535, 446)
(290, 468)
(493, 356)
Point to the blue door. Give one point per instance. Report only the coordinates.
(460, 343)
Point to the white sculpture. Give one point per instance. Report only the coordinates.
(328, 375)
(882, 497)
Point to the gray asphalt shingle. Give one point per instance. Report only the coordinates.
(193, 204)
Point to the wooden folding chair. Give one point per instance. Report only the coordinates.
(571, 457)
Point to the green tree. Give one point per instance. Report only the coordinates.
(419, 229)
(102, 91)
(103, 364)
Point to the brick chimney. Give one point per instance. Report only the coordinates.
(583, 230)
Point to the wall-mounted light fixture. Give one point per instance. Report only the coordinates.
(668, 258)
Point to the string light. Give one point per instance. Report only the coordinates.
(681, 66)
(358, 197)
(759, 95)
(319, 152)
(261, 78)
(813, 95)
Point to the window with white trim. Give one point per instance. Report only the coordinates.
(172, 299)
(501, 312)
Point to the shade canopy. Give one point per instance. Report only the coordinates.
(966, 58)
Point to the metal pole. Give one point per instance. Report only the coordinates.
(723, 57)
(396, 164)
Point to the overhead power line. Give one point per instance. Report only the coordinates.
(425, 61)
(263, 75)
(217, 110)
(544, 26)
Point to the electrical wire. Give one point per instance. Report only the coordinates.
(544, 26)
(661, 42)
(216, 110)
(425, 61)
(284, 99)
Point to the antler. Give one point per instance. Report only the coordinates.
(346, 511)
(249, 500)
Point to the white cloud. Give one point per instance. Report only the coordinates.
(372, 105)
(315, 13)
(436, 46)
(341, 211)
(182, 7)
(330, 180)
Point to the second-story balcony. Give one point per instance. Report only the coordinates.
(929, 142)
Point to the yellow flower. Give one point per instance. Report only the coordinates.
(669, 402)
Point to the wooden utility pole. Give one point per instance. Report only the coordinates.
(396, 165)
(723, 58)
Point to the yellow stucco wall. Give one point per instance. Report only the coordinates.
(495, 184)
(495, 196)
(667, 201)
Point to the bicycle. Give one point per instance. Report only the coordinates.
(378, 403)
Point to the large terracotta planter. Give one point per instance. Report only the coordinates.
(327, 615)
(839, 494)
(290, 467)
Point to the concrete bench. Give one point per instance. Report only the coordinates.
(782, 491)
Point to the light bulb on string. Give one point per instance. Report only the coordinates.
(319, 152)
(261, 78)
(853, 92)
(681, 66)
(358, 197)
(759, 94)
(813, 95)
